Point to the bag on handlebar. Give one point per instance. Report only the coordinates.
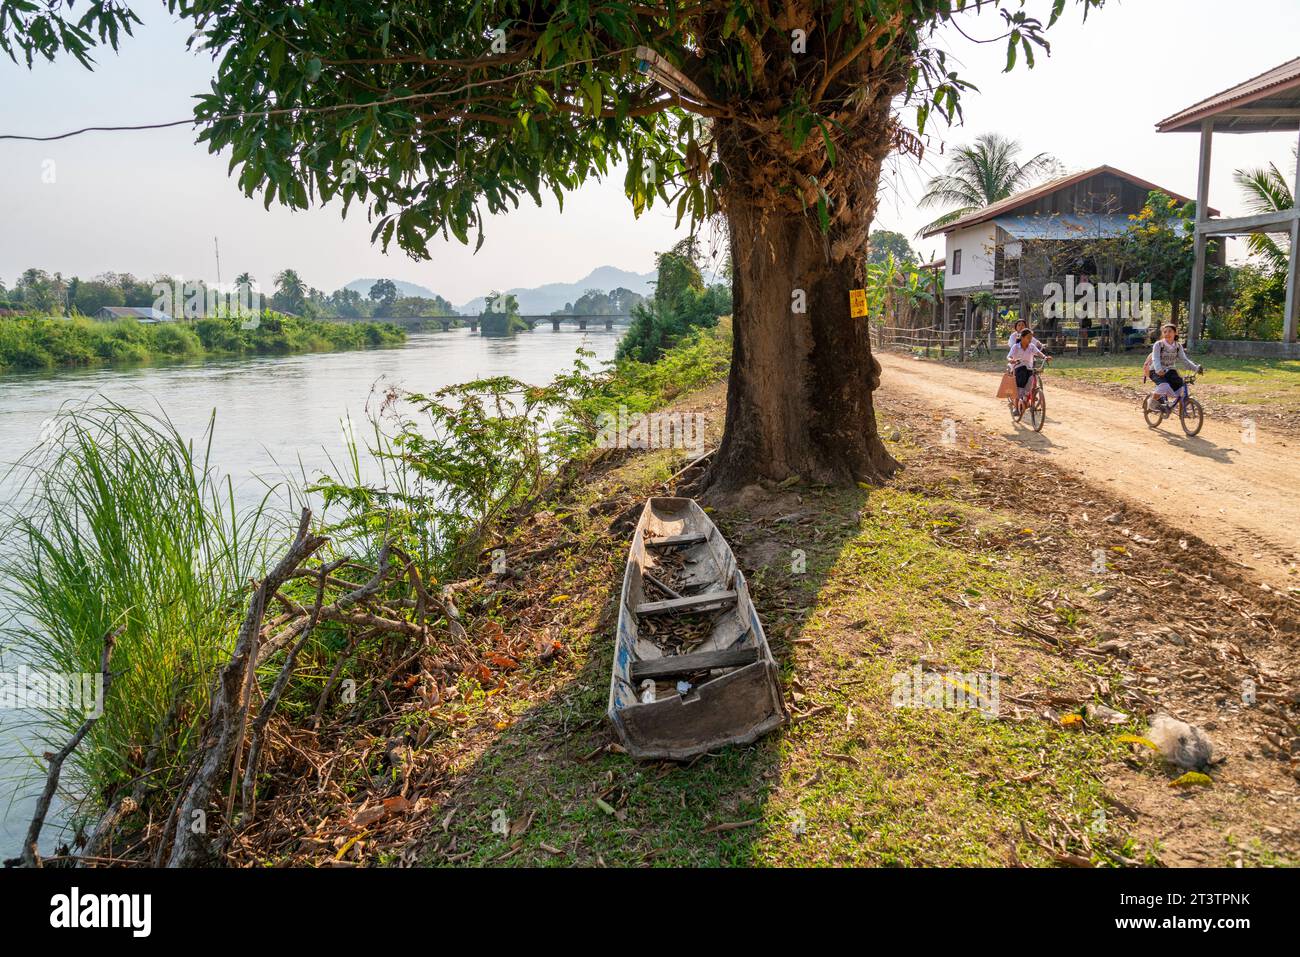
(1007, 388)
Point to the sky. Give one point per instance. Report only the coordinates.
(152, 201)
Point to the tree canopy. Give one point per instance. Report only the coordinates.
(432, 115)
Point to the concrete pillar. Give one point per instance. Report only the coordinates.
(1292, 314)
(1197, 318)
(582, 323)
(609, 323)
(473, 325)
(446, 325)
(555, 325)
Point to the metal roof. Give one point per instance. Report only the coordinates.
(1017, 200)
(1064, 226)
(1270, 101)
(1070, 226)
(136, 312)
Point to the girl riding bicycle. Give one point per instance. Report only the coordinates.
(1021, 359)
(1166, 354)
(1018, 327)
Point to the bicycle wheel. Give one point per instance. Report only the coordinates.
(1192, 417)
(1152, 413)
(1038, 409)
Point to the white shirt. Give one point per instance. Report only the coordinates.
(1166, 355)
(1024, 355)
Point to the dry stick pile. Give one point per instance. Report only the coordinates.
(393, 607)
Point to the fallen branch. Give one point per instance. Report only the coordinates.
(228, 706)
(273, 697)
(30, 856)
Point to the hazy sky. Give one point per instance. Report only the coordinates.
(152, 201)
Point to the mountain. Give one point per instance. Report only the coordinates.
(403, 288)
(546, 299)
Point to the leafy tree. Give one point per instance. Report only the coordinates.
(93, 295)
(501, 315)
(41, 292)
(681, 303)
(981, 174)
(346, 303)
(433, 116)
(290, 293)
(886, 242)
(597, 302)
(384, 293)
(414, 306)
(1258, 299)
(1159, 248)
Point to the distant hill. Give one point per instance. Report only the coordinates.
(403, 288)
(545, 299)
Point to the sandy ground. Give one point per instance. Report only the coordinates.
(1241, 495)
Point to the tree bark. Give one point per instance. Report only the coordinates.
(802, 373)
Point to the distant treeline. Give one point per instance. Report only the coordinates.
(597, 302)
(28, 343)
(42, 293)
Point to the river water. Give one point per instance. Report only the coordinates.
(273, 416)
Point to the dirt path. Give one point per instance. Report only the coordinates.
(1242, 496)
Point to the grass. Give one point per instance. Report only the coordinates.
(120, 522)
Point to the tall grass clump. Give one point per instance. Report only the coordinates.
(122, 523)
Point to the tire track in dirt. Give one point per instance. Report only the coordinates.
(1242, 496)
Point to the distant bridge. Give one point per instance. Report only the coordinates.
(420, 322)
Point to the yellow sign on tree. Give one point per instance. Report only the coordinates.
(857, 303)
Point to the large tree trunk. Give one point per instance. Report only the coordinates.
(799, 395)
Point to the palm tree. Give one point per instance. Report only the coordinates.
(982, 174)
(290, 291)
(1266, 191)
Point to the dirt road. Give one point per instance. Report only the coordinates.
(1240, 495)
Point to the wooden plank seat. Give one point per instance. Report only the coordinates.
(672, 541)
(687, 664)
(708, 601)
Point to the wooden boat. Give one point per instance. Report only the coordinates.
(692, 668)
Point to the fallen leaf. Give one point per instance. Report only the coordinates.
(368, 816)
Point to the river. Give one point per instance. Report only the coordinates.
(272, 414)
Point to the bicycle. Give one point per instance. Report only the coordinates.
(1155, 408)
(1037, 404)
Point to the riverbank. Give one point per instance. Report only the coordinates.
(119, 524)
(31, 344)
(478, 735)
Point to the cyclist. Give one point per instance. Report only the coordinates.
(1016, 328)
(1166, 354)
(1021, 361)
